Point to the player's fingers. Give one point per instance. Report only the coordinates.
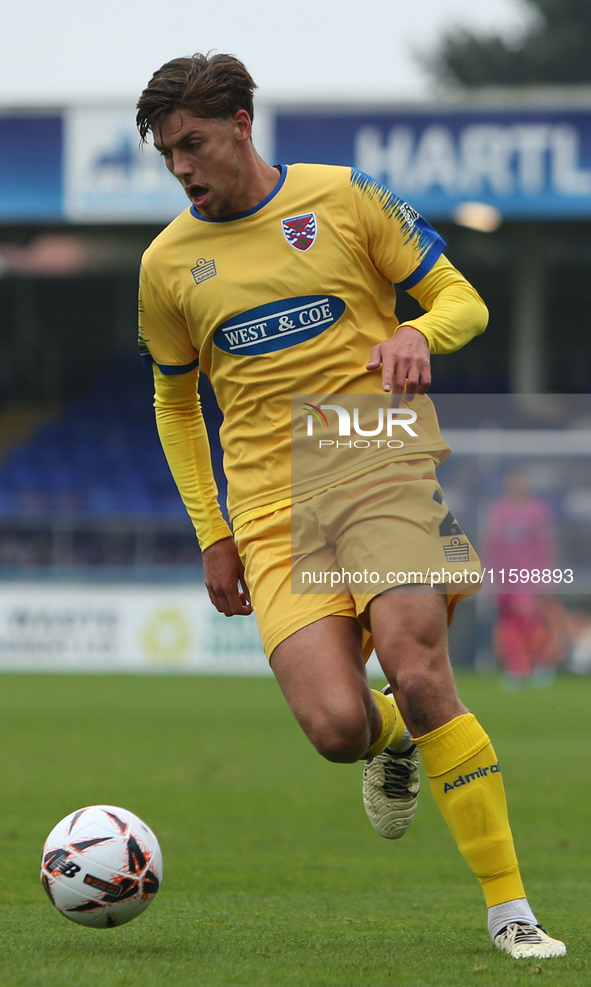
(226, 599)
(243, 590)
(413, 382)
(237, 605)
(399, 377)
(218, 601)
(419, 379)
(375, 357)
(245, 594)
(387, 378)
(425, 382)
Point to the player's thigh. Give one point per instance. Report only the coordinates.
(265, 548)
(321, 664)
(409, 624)
(313, 639)
(321, 671)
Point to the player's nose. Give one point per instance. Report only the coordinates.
(180, 165)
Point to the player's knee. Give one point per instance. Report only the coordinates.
(429, 698)
(418, 684)
(341, 741)
(341, 750)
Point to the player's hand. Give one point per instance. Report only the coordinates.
(224, 578)
(405, 362)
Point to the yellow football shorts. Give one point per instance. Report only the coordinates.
(333, 552)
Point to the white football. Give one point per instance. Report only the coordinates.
(101, 866)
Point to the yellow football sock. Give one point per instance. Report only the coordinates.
(467, 786)
(392, 724)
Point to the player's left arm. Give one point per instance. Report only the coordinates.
(454, 314)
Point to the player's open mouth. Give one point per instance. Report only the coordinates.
(198, 194)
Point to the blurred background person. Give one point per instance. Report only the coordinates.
(520, 534)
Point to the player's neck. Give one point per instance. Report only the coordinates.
(260, 180)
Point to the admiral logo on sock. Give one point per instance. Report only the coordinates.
(466, 779)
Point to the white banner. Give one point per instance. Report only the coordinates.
(108, 177)
(92, 628)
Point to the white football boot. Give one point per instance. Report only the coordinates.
(528, 941)
(391, 789)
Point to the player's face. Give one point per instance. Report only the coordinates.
(204, 155)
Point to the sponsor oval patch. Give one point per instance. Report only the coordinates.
(278, 325)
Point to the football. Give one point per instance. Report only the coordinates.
(101, 866)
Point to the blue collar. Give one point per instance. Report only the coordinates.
(249, 212)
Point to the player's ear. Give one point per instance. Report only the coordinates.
(242, 126)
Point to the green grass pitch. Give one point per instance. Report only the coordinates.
(272, 875)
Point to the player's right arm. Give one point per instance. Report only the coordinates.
(183, 435)
(165, 341)
(455, 313)
(408, 252)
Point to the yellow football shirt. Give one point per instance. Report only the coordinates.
(286, 298)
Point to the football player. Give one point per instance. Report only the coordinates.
(281, 280)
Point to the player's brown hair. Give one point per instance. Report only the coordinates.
(207, 85)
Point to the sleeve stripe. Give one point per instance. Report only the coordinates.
(170, 371)
(433, 254)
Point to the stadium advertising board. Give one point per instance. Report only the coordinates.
(160, 629)
(31, 167)
(84, 164)
(109, 177)
(529, 164)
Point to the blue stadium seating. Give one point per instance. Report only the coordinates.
(103, 456)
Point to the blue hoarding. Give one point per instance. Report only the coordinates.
(529, 164)
(31, 167)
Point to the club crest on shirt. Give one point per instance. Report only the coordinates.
(300, 231)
